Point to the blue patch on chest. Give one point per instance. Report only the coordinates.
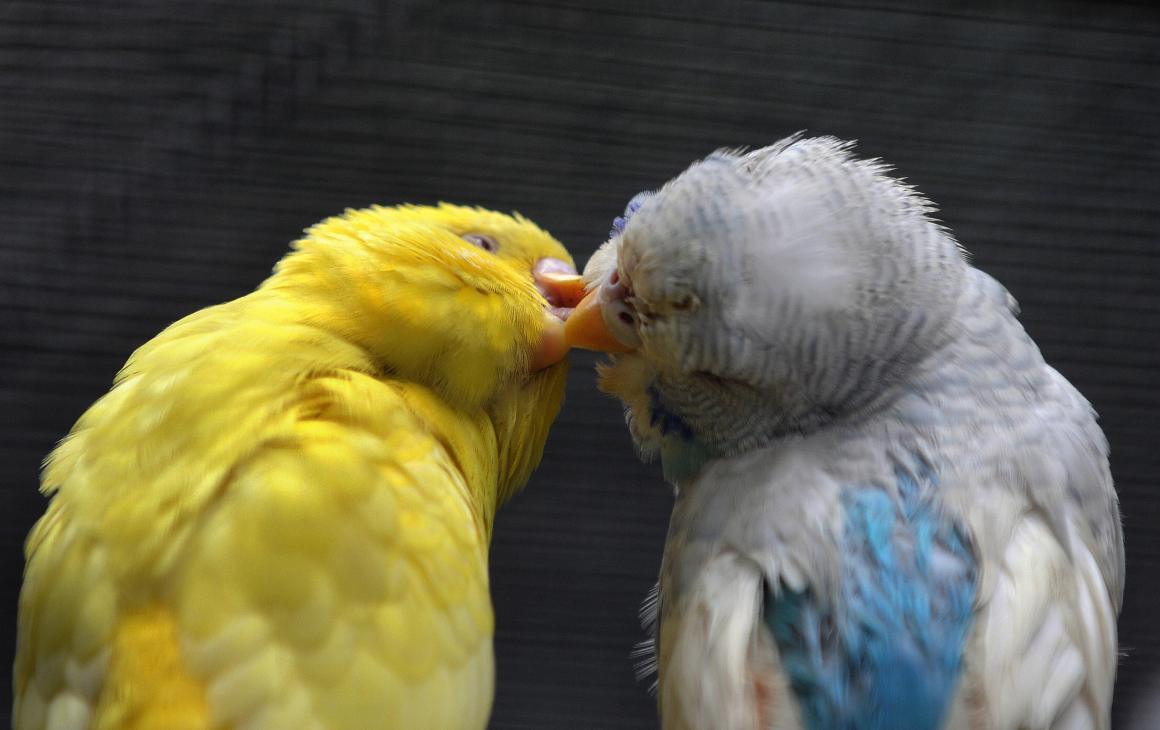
(887, 651)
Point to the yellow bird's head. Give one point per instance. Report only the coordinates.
(465, 301)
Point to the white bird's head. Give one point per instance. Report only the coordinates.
(766, 293)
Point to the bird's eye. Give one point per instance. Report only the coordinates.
(487, 243)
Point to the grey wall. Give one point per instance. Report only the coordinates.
(156, 157)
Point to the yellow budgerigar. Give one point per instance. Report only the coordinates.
(279, 516)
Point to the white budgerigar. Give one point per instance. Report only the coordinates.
(891, 513)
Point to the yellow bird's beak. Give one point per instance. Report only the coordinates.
(586, 328)
(563, 288)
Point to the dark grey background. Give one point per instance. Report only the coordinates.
(158, 156)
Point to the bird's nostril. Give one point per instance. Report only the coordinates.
(621, 320)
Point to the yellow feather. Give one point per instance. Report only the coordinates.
(152, 687)
(280, 514)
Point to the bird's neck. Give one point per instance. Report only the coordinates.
(682, 458)
(467, 440)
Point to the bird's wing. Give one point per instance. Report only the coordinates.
(718, 667)
(1045, 520)
(338, 575)
(1042, 653)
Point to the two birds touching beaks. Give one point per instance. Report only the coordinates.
(890, 511)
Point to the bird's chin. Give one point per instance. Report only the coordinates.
(628, 377)
(522, 415)
(545, 387)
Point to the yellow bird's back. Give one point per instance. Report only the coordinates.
(274, 521)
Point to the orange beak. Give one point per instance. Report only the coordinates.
(586, 328)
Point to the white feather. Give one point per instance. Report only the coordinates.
(719, 654)
(799, 262)
(1039, 656)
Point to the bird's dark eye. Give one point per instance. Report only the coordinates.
(487, 243)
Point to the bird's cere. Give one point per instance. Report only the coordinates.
(620, 221)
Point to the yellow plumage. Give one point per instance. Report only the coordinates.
(279, 516)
